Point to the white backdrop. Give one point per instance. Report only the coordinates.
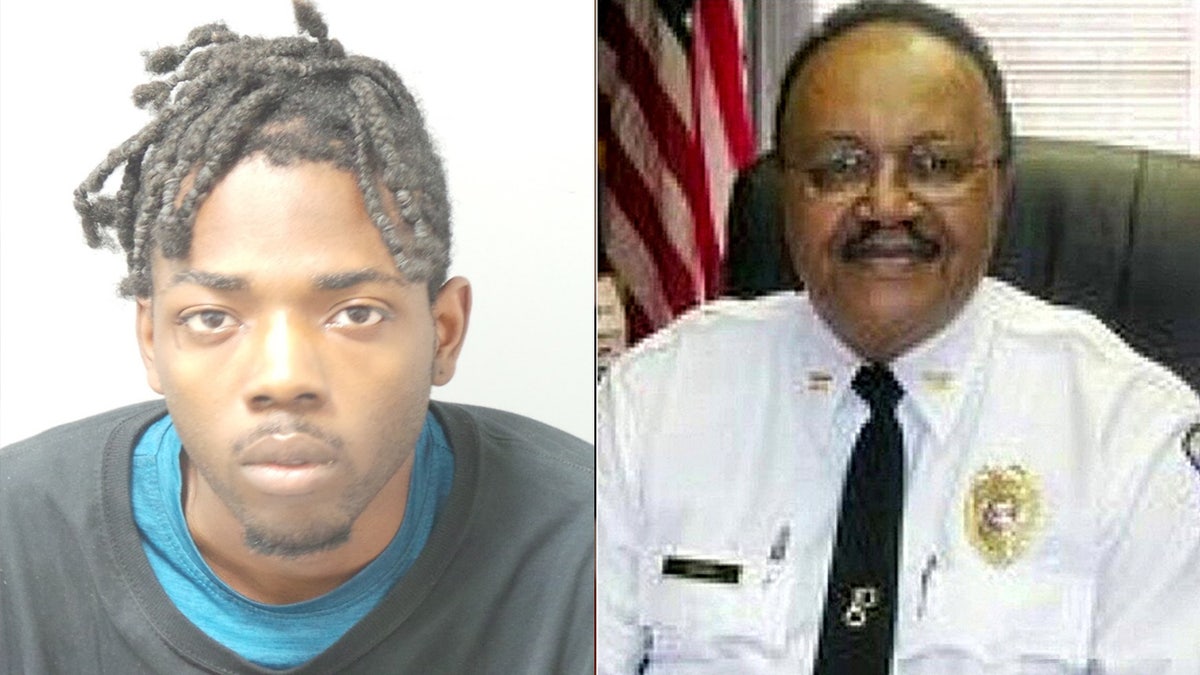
(507, 91)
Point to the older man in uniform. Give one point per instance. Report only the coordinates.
(909, 467)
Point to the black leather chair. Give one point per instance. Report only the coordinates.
(1115, 231)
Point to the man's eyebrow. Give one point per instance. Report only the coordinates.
(929, 137)
(340, 280)
(825, 140)
(213, 280)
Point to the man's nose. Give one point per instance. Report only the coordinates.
(889, 198)
(285, 365)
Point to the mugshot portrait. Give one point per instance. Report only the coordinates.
(512, 126)
(335, 413)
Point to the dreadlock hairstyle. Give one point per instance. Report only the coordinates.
(221, 97)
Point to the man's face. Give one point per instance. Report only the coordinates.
(295, 360)
(892, 192)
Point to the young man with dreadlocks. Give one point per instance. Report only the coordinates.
(298, 503)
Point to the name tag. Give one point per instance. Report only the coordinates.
(699, 569)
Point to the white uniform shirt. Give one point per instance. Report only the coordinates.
(726, 438)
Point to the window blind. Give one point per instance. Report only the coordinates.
(1126, 73)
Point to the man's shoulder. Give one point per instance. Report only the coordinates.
(545, 452)
(715, 332)
(59, 471)
(90, 431)
(725, 317)
(41, 456)
(1037, 329)
(1022, 314)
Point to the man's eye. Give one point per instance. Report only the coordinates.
(847, 162)
(931, 165)
(840, 167)
(358, 316)
(207, 321)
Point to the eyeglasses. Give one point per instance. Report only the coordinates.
(845, 170)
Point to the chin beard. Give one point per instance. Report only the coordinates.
(296, 544)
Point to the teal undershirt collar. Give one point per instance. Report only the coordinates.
(274, 636)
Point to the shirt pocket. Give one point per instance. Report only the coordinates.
(706, 621)
(1000, 622)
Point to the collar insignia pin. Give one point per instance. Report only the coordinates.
(819, 380)
(938, 380)
(1002, 511)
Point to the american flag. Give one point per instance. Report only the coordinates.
(674, 130)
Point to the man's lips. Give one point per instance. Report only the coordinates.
(288, 464)
(891, 245)
(288, 449)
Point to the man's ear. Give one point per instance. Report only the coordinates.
(145, 338)
(451, 313)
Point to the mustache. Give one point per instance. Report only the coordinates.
(873, 240)
(284, 424)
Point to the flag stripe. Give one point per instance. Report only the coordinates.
(716, 157)
(674, 209)
(677, 132)
(639, 74)
(721, 31)
(680, 153)
(711, 156)
(669, 56)
(628, 253)
(638, 205)
(640, 323)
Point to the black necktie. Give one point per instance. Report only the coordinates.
(860, 607)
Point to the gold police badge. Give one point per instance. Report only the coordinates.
(1003, 510)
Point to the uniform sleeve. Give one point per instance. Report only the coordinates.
(1147, 618)
(618, 636)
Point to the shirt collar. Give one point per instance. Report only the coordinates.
(935, 374)
(824, 364)
(938, 373)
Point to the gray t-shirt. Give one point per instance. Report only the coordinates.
(505, 583)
